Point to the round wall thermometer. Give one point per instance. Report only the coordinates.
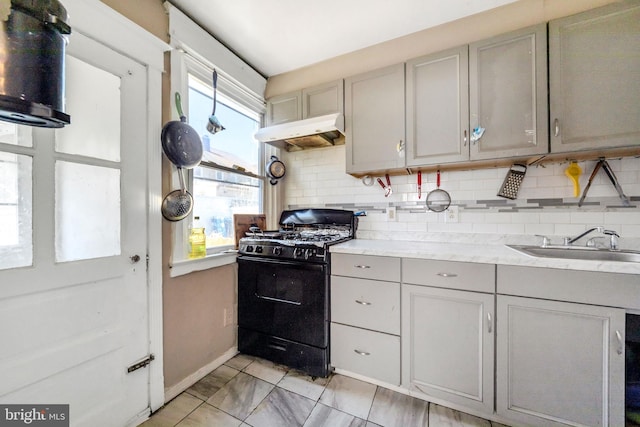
(275, 170)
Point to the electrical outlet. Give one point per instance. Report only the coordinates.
(228, 317)
(451, 214)
(391, 213)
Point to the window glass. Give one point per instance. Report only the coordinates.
(93, 101)
(16, 248)
(233, 147)
(87, 211)
(219, 193)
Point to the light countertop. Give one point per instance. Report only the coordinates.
(491, 253)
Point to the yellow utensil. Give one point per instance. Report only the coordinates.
(573, 171)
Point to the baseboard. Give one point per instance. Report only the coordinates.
(176, 389)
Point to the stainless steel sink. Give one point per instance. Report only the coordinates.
(578, 252)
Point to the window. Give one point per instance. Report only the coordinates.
(16, 247)
(225, 183)
(228, 180)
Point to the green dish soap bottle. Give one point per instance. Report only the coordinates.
(197, 240)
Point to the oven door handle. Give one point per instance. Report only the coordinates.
(306, 265)
(278, 300)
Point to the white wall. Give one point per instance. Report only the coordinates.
(545, 204)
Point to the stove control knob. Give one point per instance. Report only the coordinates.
(277, 250)
(249, 248)
(298, 252)
(258, 249)
(308, 253)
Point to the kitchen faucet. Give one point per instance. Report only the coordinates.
(613, 237)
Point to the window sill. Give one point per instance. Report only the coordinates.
(180, 268)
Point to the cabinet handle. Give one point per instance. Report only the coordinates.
(363, 302)
(362, 266)
(362, 353)
(400, 147)
(556, 127)
(489, 322)
(620, 342)
(447, 274)
(465, 138)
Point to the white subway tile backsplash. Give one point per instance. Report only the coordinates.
(588, 218)
(545, 203)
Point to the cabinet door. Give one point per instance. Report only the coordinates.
(374, 120)
(284, 108)
(437, 96)
(447, 345)
(560, 363)
(594, 78)
(323, 99)
(508, 94)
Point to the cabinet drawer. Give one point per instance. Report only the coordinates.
(466, 276)
(366, 267)
(588, 287)
(369, 304)
(372, 354)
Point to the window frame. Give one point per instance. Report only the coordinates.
(183, 65)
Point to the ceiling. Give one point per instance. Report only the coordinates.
(277, 36)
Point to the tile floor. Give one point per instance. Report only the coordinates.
(247, 391)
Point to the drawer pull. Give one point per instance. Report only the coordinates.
(363, 302)
(447, 274)
(620, 342)
(362, 353)
(362, 266)
(489, 322)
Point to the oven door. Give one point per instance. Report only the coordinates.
(285, 299)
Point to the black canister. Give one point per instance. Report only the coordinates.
(32, 61)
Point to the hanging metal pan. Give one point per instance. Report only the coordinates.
(180, 142)
(438, 200)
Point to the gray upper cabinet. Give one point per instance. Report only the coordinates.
(374, 120)
(594, 77)
(323, 99)
(320, 100)
(284, 108)
(508, 94)
(437, 102)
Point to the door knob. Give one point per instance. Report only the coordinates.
(134, 258)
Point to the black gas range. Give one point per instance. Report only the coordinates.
(283, 288)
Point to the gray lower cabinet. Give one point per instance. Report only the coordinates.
(448, 334)
(594, 78)
(365, 316)
(560, 354)
(508, 94)
(559, 363)
(374, 120)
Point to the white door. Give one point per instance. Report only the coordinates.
(73, 279)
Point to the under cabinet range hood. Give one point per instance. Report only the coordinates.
(32, 57)
(315, 132)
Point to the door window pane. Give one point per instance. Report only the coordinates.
(87, 211)
(14, 134)
(16, 248)
(93, 101)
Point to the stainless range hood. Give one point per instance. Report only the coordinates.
(315, 132)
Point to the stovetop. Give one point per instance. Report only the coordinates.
(305, 235)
